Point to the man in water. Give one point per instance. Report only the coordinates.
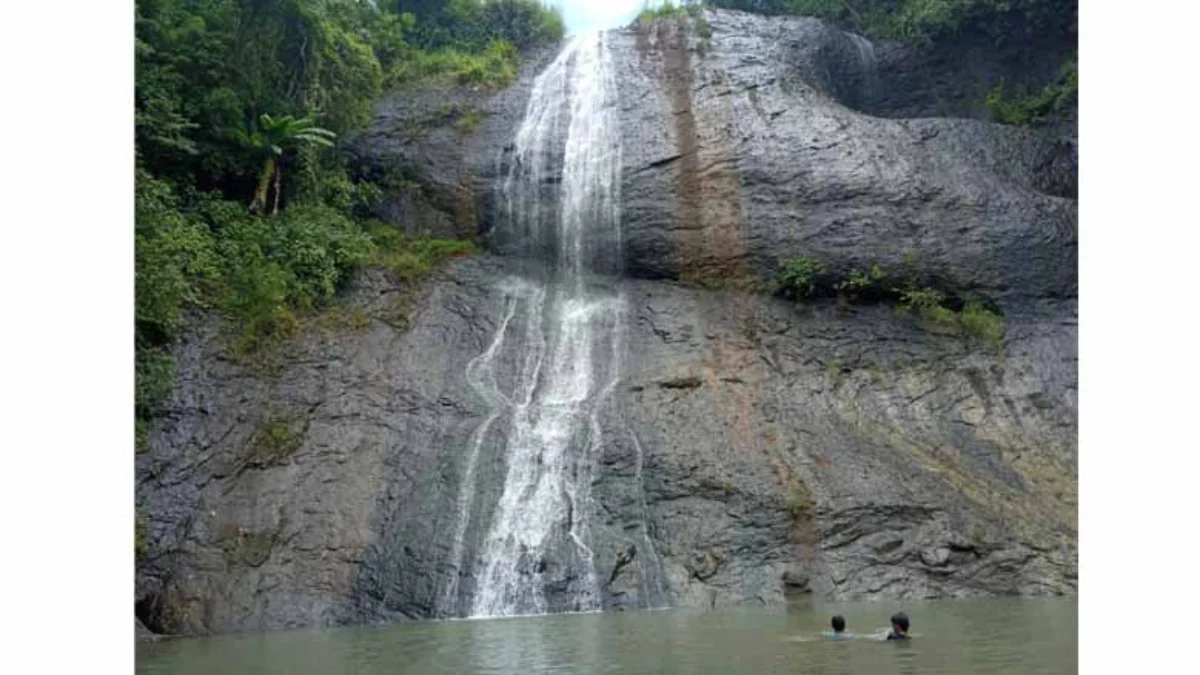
(839, 629)
(899, 627)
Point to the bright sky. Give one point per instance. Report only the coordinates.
(582, 15)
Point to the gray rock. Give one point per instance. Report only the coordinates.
(738, 158)
(143, 634)
(849, 445)
(740, 153)
(444, 144)
(754, 450)
(952, 77)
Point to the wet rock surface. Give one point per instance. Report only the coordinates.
(753, 450)
(862, 455)
(440, 149)
(738, 157)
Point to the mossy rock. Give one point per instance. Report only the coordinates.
(800, 507)
(273, 445)
(141, 537)
(248, 549)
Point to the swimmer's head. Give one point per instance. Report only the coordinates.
(900, 623)
(838, 623)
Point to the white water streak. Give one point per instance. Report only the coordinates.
(481, 376)
(869, 63)
(555, 432)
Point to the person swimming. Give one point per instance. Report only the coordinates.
(899, 627)
(838, 623)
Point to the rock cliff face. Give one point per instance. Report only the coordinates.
(754, 449)
(735, 162)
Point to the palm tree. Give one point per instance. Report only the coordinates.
(270, 138)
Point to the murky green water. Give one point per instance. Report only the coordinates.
(968, 637)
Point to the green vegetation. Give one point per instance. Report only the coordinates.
(1020, 109)
(973, 319)
(211, 254)
(655, 10)
(664, 10)
(469, 120)
(410, 258)
(801, 279)
(861, 284)
(982, 323)
(141, 542)
(800, 508)
(243, 547)
(493, 67)
(273, 443)
(929, 303)
(243, 203)
(269, 138)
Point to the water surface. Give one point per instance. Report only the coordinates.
(960, 637)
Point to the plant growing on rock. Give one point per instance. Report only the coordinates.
(469, 121)
(974, 319)
(860, 285)
(273, 443)
(1018, 109)
(494, 67)
(861, 281)
(665, 9)
(410, 258)
(275, 266)
(799, 277)
(981, 322)
(141, 543)
(799, 508)
(928, 302)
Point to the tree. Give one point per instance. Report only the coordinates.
(269, 139)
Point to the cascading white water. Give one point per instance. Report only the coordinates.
(869, 64)
(481, 375)
(539, 532)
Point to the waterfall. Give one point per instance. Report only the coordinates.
(870, 68)
(481, 376)
(539, 534)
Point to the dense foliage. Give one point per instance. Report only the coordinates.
(244, 204)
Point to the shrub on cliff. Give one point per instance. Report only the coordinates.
(800, 280)
(262, 273)
(1018, 108)
(799, 277)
